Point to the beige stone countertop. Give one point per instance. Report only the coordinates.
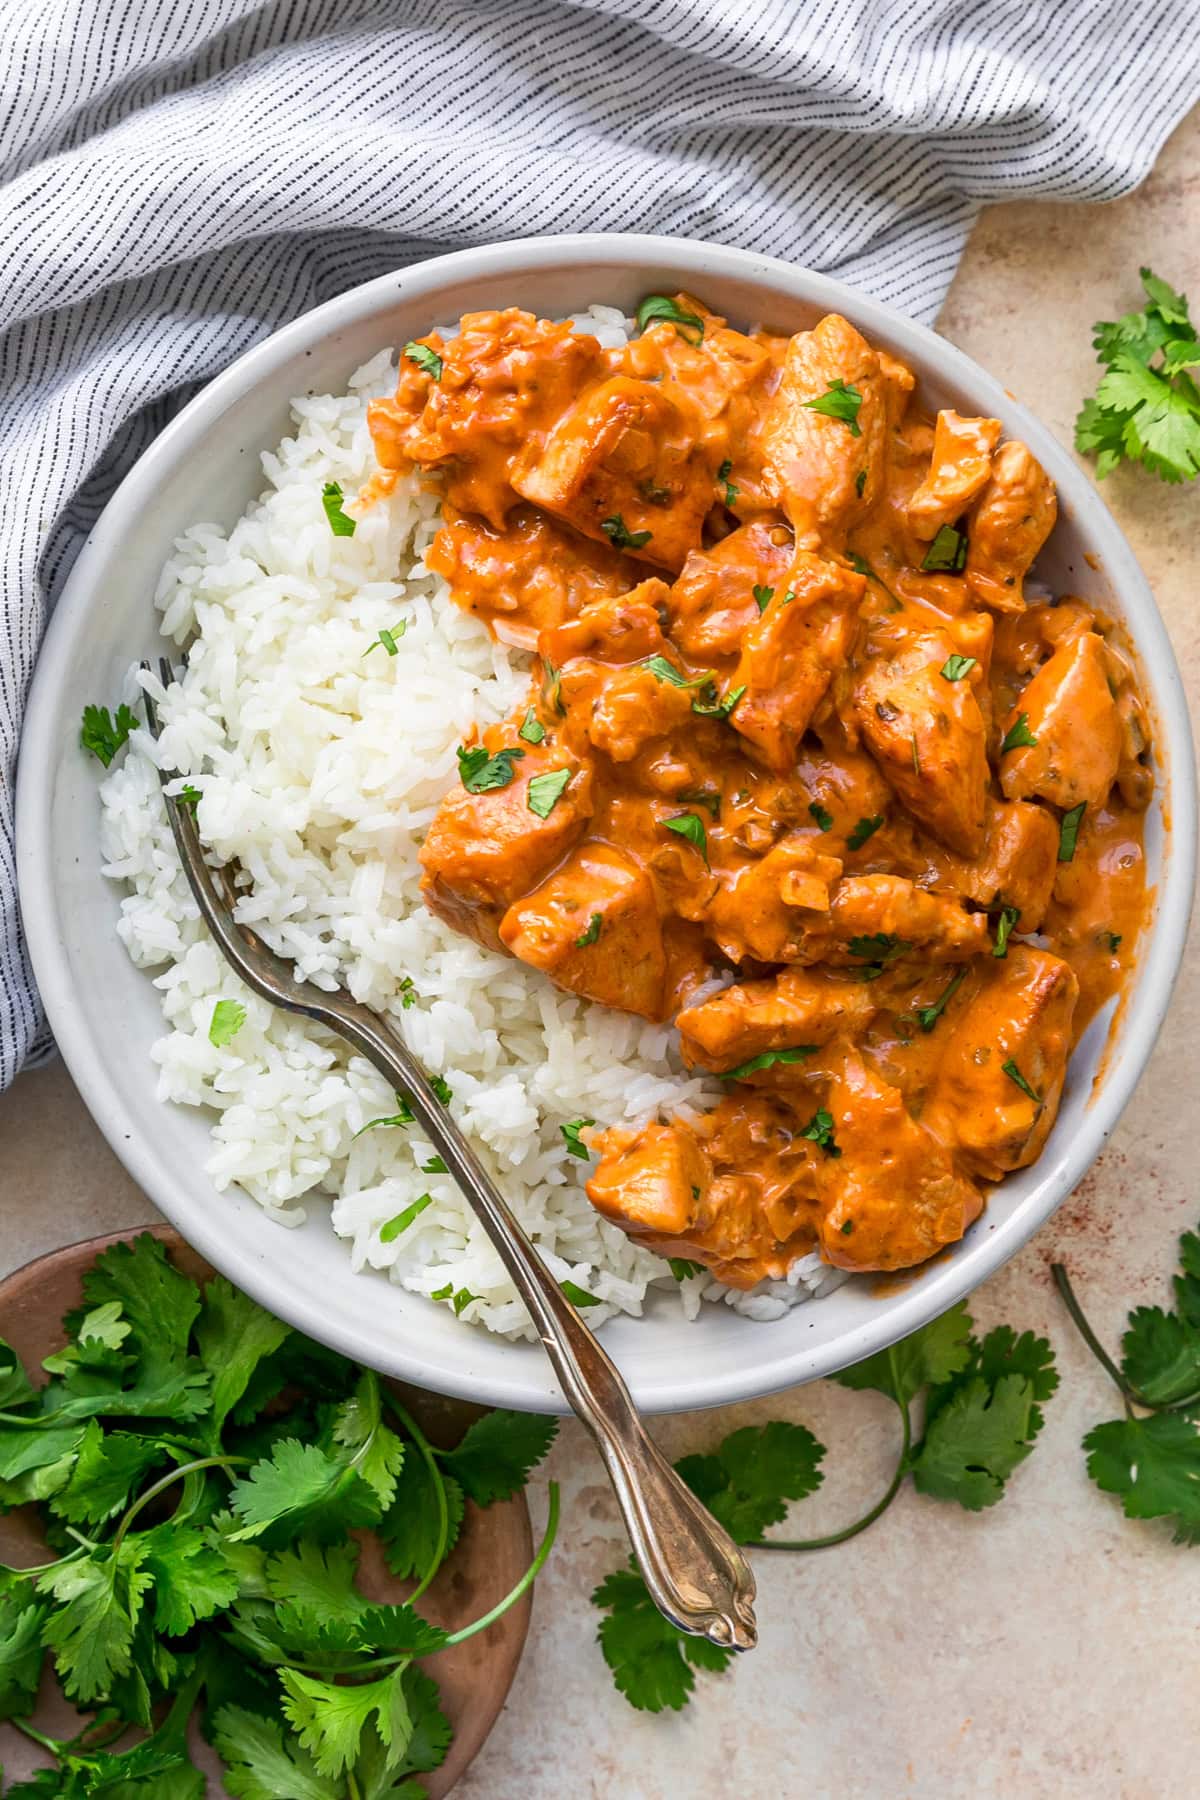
(1047, 1648)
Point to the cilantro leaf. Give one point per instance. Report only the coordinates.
(104, 735)
(820, 1130)
(532, 729)
(24, 1451)
(481, 773)
(262, 1761)
(409, 1528)
(1154, 1465)
(397, 1226)
(375, 1450)
(497, 1452)
(21, 1619)
(1009, 916)
(579, 1296)
(590, 935)
(228, 1017)
(762, 597)
(1142, 409)
(823, 817)
(620, 536)
(233, 1335)
(651, 1661)
(948, 552)
(386, 639)
(191, 1579)
(1068, 832)
(976, 1439)
(753, 1474)
(96, 1604)
(545, 791)
(107, 1467)
(690, 825)
(575, 1144)
(1161, 1356)
(301, 1489)
(160, 1305)
(866, 828)
(340, 523)
(425, 358)
(319, 1578)
(1018, 736)
(683, 1270)
(839, 402)
(934, 1353)
(16, 1389)
(666, 672)
(928, 1016)
(656, 307)
(329, 1720)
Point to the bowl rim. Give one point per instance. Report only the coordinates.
(1145, 1001)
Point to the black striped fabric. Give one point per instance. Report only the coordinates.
(179, 177)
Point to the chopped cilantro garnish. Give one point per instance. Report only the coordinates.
(723, 474)
(656, 308)
(545, 791)
(427, 360)
(459, 1298)
(340, 523)
(387, 639)
(664, 671)
(1010, 1069)
(866, 828)
(1112, 939)
(839, 402)
(435, 1166)
(552, 688)
(482, 773)
(228, 1017)
(820, 1130)
(591, 934)
(620, 536)
(408, 992)
(1068, 832)
(571, 1133)
(683, 1270)
(189, 796)
(766, 1059)
(928, 1016)
(955, 667)
(391, 1231)
(442, 1089)
(579, 1296)
(532, 730)
(762, 597)
(824, 819)
(404, 1115)
(860, 482)
(104, 735)
(717, 708)
(948, 551)
(880, 948)
(1018, 736)
(1008, 918)
(690, 825)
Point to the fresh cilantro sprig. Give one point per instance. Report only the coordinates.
(982, 1411)
(1151, 1457)
(200, 1468)
(1147, 406)
(103, 734)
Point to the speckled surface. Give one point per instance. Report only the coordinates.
(1048, 1649)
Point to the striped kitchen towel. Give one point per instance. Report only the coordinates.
(179, 177)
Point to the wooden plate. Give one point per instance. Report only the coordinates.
(493, 1551)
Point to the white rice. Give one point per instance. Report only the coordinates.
(320, 766)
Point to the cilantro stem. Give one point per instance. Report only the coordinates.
(165, 1481)
(353, 1791)
(527, 1580)
(1079, 1319)
(55, 1746)
(427, 1456)
(868, 1518)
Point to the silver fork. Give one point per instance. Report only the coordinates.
(695, 1573)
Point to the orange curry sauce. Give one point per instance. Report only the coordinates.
(794, 727)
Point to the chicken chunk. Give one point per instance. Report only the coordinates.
(736, 1191)
(1070, 712)
(483, 850)
(712, 604)
(792, 1008)
(789, 655)
(825, 471)
(622, 466)
(1010, 522)
(890, 1197)
(1016, 866)
(928, 736)
(874, 920)
(763, 909)
(958, 471)
(532, 574)
(505, 380)
(999, 1079)
(593, 926)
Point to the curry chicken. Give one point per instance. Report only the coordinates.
(806, 764)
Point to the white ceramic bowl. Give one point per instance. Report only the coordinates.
(105, 1013)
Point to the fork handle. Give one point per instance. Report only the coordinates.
(696, 1575)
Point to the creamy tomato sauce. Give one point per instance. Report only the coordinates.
(803, 766)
